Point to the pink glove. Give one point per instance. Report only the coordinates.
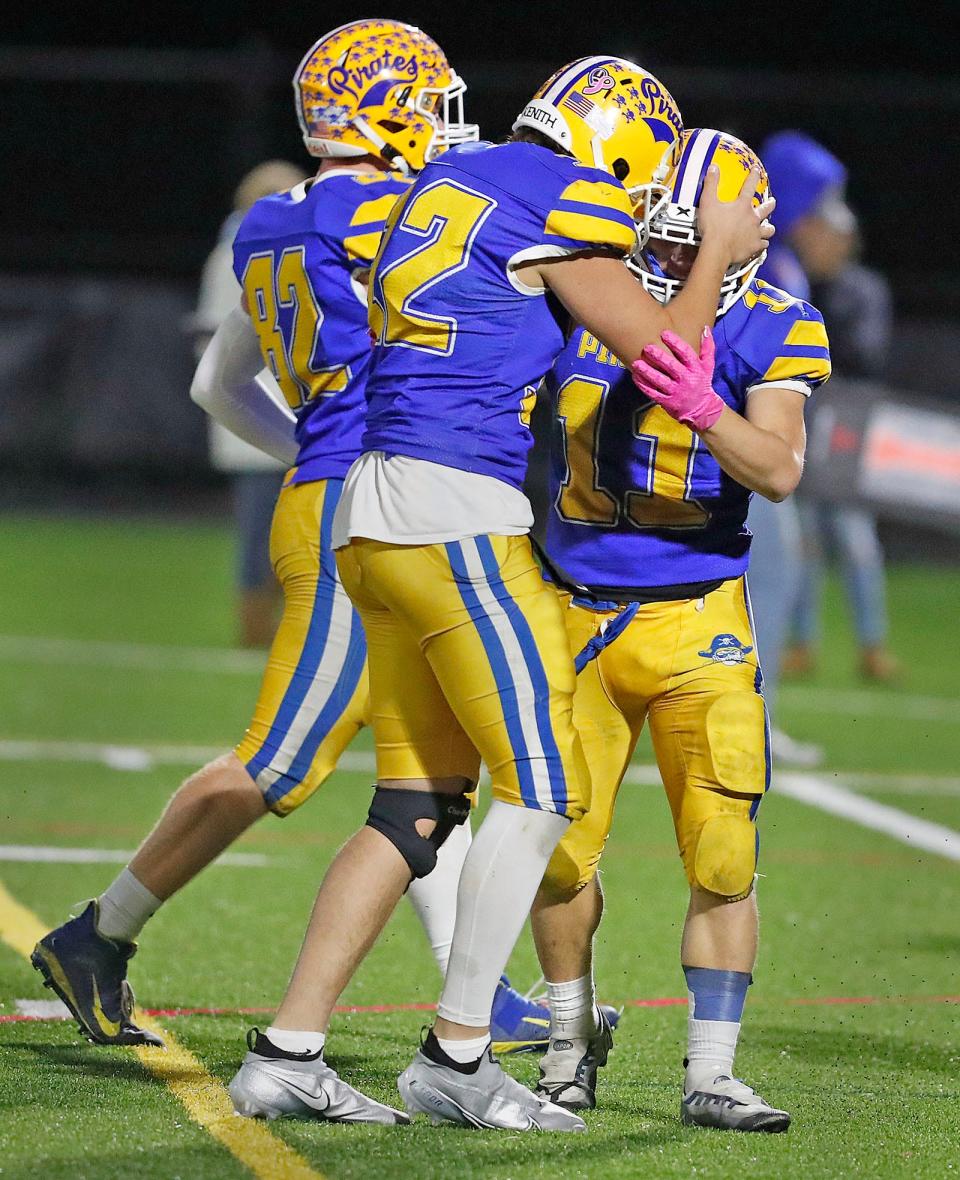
(679, 380)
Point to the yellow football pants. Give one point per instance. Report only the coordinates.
(469, 660)
(314, 696)
(690, 667)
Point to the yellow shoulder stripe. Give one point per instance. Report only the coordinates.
(363, 246)
(792, 368)
(597, 192)
(584, 227)
(375, 210)
(809, 332)
(376, 177)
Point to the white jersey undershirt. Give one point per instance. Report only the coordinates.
(408, 501)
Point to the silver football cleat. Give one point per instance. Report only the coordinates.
(269, 1085)
(568, 1070)
(730, 1105)
(487, 1098)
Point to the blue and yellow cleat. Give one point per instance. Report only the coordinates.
(89, 973)
(520, 1024)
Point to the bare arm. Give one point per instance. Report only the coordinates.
(600, 293)
(233, 386)
(764, 449)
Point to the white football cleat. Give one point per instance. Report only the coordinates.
(271, 1085)
(487, 1098)
(730, 1105)
(568, 1070)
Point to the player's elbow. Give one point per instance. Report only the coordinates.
(199, 393)
(782, 482)
(201, 387)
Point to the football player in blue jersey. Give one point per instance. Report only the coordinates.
(469, 659)
(646, 535)
(375, 100)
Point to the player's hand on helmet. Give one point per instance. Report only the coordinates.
(740, 227)
(679, 379)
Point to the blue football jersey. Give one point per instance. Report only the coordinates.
(462, 345)
(296, 255)
(636, 498)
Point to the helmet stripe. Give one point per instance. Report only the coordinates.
(696, 158)
(571, 76)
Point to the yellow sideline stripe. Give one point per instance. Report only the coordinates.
(205, 1099)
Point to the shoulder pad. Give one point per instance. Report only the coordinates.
(778, 336)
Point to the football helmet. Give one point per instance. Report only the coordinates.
(674, 223)
(612, 114)
(380, 87)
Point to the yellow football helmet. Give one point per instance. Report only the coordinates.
(610, 113)
(675, 222)
(380, 87)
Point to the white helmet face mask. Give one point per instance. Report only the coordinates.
(443, 107)
(672, 221)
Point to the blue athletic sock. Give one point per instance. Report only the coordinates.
(717, 995)
(716, 1001)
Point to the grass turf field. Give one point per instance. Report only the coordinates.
(846, 1026)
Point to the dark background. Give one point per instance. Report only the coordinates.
(130, 124)
(126, 128)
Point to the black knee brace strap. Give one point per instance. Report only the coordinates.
(394, 813)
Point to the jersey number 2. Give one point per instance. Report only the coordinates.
(446, 218)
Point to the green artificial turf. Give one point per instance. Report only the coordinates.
(847, 913)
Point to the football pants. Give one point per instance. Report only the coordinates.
(688, 668)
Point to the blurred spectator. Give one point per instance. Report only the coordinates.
(774, 582)
(856, 302)
(814, 256)
(811, 257)
(254, 477)
(776, 553)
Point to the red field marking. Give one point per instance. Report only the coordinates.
(808, 1001)
(828, 1000)
(659, 1002)
(341, 1009)
(381, 1009)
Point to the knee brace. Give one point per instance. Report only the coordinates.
(394, 813)
(724, 857)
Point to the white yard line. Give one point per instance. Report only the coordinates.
(31, 649)
(640, 775)
(901, 784)
(833, 795)
(48, 854)
(140, 757)
(836, 800)
(42, 1009)
(854, 703)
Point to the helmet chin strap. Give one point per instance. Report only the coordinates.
(387, 151)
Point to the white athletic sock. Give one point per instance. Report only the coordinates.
(464, 1051)
(573, 1008)
(711, 1045)
(434, 897)
(500, 878)
(290, 1041)
(124, 908)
